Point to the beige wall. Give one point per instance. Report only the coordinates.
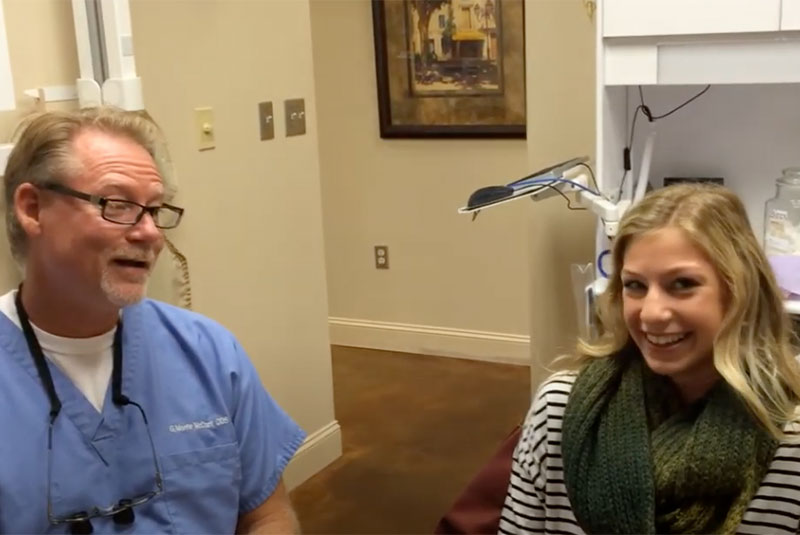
(560, 51)
(445, 270)
(253, 229)
(507, 272)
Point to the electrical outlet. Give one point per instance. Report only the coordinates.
(382, 257)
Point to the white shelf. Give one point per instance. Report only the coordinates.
(768, 58)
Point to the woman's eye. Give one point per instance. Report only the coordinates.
(684, 283)
(632, 286)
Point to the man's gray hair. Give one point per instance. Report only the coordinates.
(43, 153)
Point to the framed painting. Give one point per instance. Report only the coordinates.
(450, 68)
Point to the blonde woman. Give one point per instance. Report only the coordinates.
(680, 417)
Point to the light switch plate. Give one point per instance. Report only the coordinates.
(204, 123)
(295, 116)
(266, 120)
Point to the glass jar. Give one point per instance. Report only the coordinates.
(782, 216)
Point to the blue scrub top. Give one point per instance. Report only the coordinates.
(222, 442)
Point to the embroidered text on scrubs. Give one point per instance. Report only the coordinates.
(196, 426)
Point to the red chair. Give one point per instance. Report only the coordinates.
(477, 510)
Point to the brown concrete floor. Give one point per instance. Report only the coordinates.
(415, 429)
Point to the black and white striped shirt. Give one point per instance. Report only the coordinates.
(537, 500)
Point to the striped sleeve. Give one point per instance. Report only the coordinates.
(526, 505)
(537, 500)
(775, 509)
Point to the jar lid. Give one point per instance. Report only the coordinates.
(791, 177)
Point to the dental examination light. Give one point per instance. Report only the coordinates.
(570, 176)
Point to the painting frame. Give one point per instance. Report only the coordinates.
(403, 114)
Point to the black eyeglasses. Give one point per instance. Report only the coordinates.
(123, 212)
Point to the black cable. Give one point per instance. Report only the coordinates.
(656, 117)
(569, 203)
(621, 185)
(594, 180)
(596, 187)
(626, 154)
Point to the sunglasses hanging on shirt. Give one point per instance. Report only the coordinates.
(121, 512)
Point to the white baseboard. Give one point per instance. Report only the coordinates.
(319, 449)
(427, 340)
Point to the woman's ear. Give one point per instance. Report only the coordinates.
(27, 205)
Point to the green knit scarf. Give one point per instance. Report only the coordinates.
(637, 461)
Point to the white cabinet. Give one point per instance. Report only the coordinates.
(648, 42)
(682, 17)
(790, 15)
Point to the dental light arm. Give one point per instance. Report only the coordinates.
(609, 212)
(553, 182)
(571, 176)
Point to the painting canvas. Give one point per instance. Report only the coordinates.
(456, 47)
(450, 68)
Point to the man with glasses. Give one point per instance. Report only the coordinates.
(120, 413)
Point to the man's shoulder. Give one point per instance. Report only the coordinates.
(174, 313)
(192, 327)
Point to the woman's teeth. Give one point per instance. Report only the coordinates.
(665, 340)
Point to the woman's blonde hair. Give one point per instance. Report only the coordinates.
(753, 349)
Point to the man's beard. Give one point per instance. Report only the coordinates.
(116, 291)
(120, 296)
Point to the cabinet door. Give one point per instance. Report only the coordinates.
(681, 17)
(790, 17)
